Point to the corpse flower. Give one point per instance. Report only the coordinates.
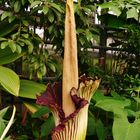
(69, 99)
(74, 126)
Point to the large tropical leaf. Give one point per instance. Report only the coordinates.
(30, 89)
(9, 80)
(7, 56)
(124, 130)
(113, 105)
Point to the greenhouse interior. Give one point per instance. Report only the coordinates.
(69, 69)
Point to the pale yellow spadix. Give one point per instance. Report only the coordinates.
(70, 64)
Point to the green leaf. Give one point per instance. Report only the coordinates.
(116, 95)
(113, 105)
(3, 112)
(9, 124)
(23, 2)
(8, 27)
(116, 10)
(36, 134)
(12, 45)
(89, 35)
(36, 9)
(45, 9)
(18, 49)
(20, 43)
(39, 74)
(35, 3)
(87, 10)
(9, 80)
(132, 13)
(17, 6)
(40, 112)
(43, 69)
(99, 96)
(25, 22)
(4, 45)
(82, 40)
(2, 126)
(50, 29)
(106, 5)
(30, 89)
(5, 14)
(137, 99)
(2, 121)
(31, 1)
(57, 7)
(92, 7)
(47, 127)
(32, 107)
(7, 56)
(91, 129)
(2, 39)
(100, 129)
(25, 35)
(52, 67)
(29, 44)
(11, 18)
(123, 130)
(115, 21)
(50, 16)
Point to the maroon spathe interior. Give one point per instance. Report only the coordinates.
(52, 98)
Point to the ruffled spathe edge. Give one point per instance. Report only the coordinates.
(52, 98)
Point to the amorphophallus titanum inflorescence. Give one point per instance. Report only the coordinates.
(70, 99)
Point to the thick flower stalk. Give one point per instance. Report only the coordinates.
(69, 100)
